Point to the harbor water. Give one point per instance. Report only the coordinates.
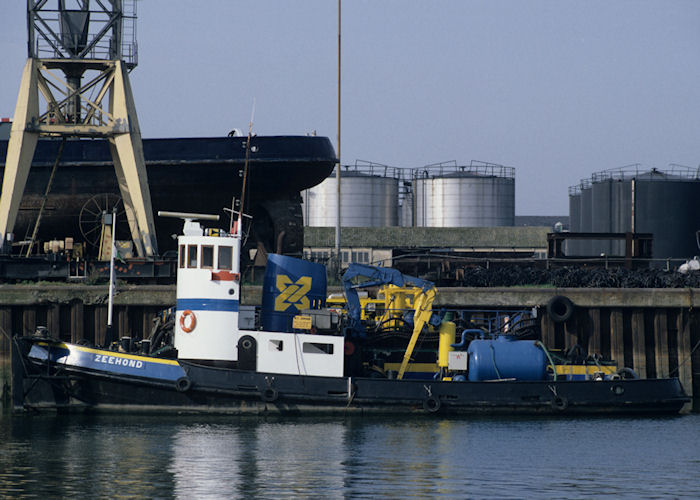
(109, 456)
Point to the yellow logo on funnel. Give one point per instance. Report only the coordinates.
(293, 294)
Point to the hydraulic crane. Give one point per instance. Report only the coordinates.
(381, 276)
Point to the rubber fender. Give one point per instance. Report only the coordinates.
(183, 384)
(269, 394)
(627, 373)
(559, 403)
(560, 308)
(431, 404)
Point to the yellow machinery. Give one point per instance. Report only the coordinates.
(399, 293)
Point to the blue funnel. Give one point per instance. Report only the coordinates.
(290, 285)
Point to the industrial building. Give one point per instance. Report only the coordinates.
(386, 245)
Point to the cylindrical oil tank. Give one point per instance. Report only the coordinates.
(621, 212)
(369, 198)
(601, 220)
(478, 195)
(505, 357)
(406, 204)
(630, 199)
(572, 246)
(666, 205)
(586, 223)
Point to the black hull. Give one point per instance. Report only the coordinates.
(215, 390)
(186, 175)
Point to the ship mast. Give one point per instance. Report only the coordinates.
(245, 169)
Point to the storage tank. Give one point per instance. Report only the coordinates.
(666, 204)
(572, 246)
(369, 197)
(506, 357)
(639, 200)
(585, 221)
(406, 204)
(478, 195)
(601, 219)
(621, 212)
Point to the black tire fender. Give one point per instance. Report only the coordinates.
(559, 403)
(560, 308)
(432, 404)
(627, 373)
(183, 384)
(269, 394)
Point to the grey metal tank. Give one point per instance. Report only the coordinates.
(586, 223)
(601, 218)
(477, 195)
(369, 197)
(635, 199)
(406, 204)
(572, 246)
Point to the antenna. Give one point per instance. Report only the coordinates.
(245, 165)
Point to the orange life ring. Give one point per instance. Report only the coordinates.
(187, 328)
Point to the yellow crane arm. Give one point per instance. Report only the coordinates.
(423, 310)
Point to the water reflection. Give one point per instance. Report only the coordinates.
(195, 457)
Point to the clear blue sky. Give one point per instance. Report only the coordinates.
(557, 89)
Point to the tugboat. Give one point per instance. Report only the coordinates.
(229, 358)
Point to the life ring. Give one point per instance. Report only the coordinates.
(559, 403)
(269, 395)
(183, 384)
(560, 308)
(431, 404)
(349, 348)
(186, 326)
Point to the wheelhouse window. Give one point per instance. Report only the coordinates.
(183, 256)
(225, 257)
(192, 256)
(207, 256)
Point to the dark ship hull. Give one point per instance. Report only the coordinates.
(66, 377)
(185, 174)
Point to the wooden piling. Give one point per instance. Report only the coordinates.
(595, 343)
(5, 330)
(639, 343)
(661, 343)
(685, 369)
(617, 343)
(77, 321)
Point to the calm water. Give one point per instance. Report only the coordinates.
(206, 457)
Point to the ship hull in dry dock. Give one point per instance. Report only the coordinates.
(56, 375)
(185, 174)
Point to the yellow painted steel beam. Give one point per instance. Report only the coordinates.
(119, 124)
(20, 149)
(130, 165)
